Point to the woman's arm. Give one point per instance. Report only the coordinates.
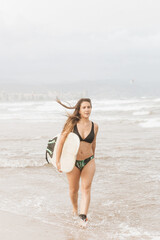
(59, 149)
(94, 141)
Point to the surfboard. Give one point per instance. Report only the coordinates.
(69, 151)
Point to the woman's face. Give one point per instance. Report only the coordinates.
(85, 110)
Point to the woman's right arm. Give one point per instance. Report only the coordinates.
(59, 149)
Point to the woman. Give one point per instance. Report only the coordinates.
(84, 168)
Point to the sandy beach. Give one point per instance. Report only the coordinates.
(16, 227)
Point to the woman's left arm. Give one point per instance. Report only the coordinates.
(95, 135)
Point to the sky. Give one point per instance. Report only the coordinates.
(88, 40)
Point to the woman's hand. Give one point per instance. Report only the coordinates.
(58, 166)
(59, 150)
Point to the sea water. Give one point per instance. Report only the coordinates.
(125, 197)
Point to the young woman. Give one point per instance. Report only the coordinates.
(84, 168)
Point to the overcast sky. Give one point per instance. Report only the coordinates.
(69, 40)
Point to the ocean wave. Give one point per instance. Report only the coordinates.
(151, 123)
(51, 111)
(156, 100)
(123, 108)
(21, 163)
(115, 110)
(8, 139)
(32, 117)
(142, 113)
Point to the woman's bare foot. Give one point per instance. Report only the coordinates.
(83, 220)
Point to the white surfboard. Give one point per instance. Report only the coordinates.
(69, 152)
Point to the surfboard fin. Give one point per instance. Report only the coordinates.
(50, 148)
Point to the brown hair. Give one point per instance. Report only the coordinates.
(75, 116)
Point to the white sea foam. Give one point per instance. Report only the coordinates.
(128, 231)
(150, 123)
(109, 110)
(22, 163)
(156, 100)
(124, 105)
(15, 109)
(121, 108)
(141, 113)
(155, 177)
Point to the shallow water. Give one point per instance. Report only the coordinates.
(125, 199)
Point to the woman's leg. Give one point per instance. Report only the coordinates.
(86, 181)
(73, 180)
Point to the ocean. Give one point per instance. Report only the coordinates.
(125, 198)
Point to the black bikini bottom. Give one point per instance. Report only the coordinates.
(81, 163)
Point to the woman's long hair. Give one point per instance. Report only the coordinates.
(75, 116)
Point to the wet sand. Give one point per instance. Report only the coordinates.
(14, 226)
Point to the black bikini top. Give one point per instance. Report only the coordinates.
(90, 136)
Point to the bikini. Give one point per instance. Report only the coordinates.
(81, 163)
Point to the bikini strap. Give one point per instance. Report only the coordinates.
(93, 126)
